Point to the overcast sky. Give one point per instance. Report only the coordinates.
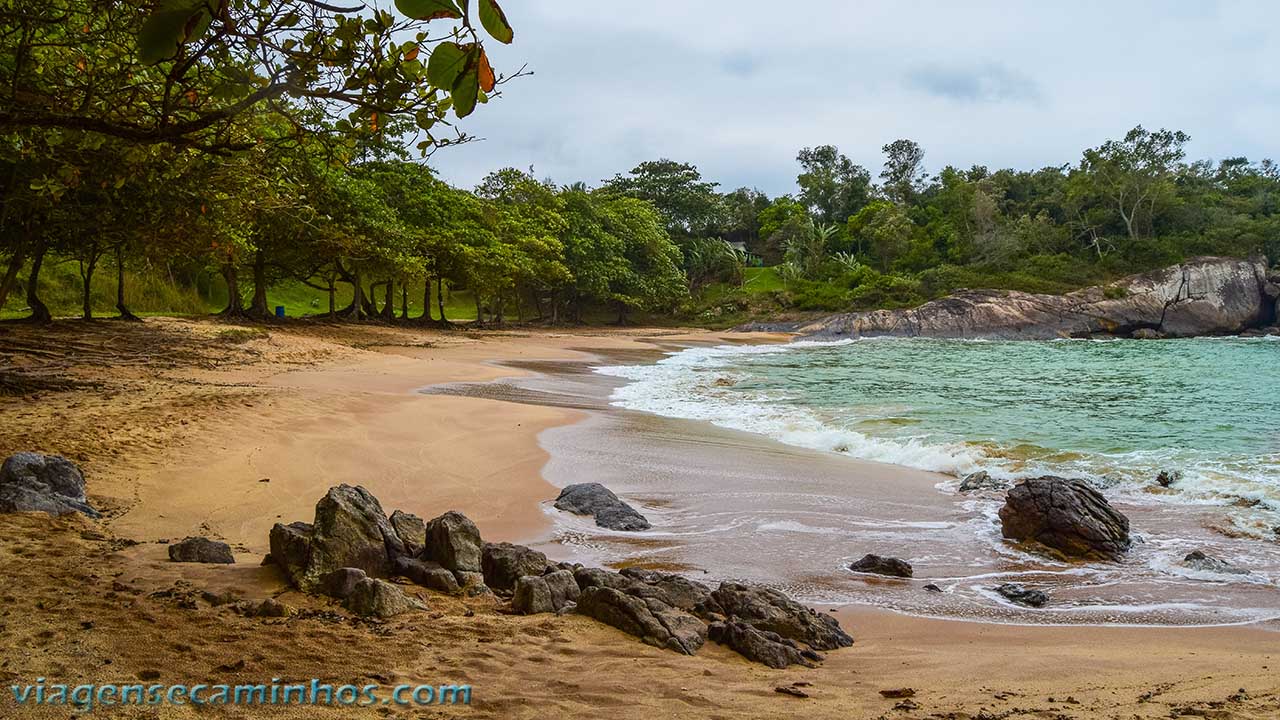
(737, 87)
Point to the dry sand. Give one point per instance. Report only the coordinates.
(185, 420)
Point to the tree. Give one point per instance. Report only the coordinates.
(689, 205)
(1133, 175)
(831, 185)
(784, 220)
(883, 231)
(903, 171)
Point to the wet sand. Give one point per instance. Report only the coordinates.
(183, 450)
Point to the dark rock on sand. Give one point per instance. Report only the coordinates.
(597, 500)
(880, 565)
(454, 542)
(31, 482)
(341, 582)
(504, 563)
(1022, 596)
(762, 646)
(350, 530)
(552, 592)
(201, 550)
(372, 597)
(1198, 560)
(651, 620)
(1069, 516)
(291, 549)
(768, 609)
(426, 573)
(674, 590)
(981, 480)
(411, 530)
(1202, 296)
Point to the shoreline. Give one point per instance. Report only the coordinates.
(343, 412)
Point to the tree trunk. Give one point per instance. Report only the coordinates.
(332, 290)
(479, 308)
(39, 311)
(404, 301)
(235, 306)
(357, 297)
(440, 299)
(426, 300)
(11, 275)
(258, 308)
(86, 272)
(389, 308)
(121, 307)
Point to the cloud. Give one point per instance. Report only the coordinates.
(990, 82)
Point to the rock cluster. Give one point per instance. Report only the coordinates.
(599, 501)
(31, 482)
(1067, 515)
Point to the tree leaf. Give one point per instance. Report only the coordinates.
(172, 24)
(447, 62)
(495, 21)
(429, 9)
(465, 90)
(487, 80)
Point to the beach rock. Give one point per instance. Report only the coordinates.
(411, 530)
(1167, 478)
(597, 500)
(545, 593)
(768, 609)
(291, 549)
(981, 480)
(596, 577)
(932, 588)
(504, 563)
(879, 565)
(31, 482)
(1069, 516)
(1198, 560)
(350, 530)
(454, 542)
(272, 608)
(426, 573)
(372, 597)
(472, 583)
(1146, 334)
(674, 590)
(654, 622)
(1202, 296)
(762, 646)
(1022, 596)
(341, 582)
(201, 550)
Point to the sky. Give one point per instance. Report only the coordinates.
(738, 87)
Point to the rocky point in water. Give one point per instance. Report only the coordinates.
(31, 482)
(1202, 296)
(599, 501)
(1067, 515)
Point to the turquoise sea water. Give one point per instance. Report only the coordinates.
(1116, 412)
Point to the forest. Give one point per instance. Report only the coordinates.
(162, 157)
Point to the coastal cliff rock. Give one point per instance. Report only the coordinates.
(31, 482)
(1069, 516)
(597, 500)
(1203, 296)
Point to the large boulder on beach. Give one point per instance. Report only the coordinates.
(762, 646)
(552, 592)
(1067, 515)
(341, 582)
(350, 530)
(770, 610)
(504, 563)
(372, 597)
(291, 550)
(454, 542)
(32, 482)
(599, 501)
(882, 565)
(651, 620)
(201, 550)
(411, 530)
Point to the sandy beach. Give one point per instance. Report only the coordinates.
(187, 428)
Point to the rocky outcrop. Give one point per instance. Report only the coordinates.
(1203, 296)
(454, 542)
(654, 622)
(1069, 516)
(350, 530)
(762, 646)
(880, 565)
(767, 609)
(31, 482)
(201, 550)
(504, 563)
(1022, 596)
(411, 530)
(597, 500)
